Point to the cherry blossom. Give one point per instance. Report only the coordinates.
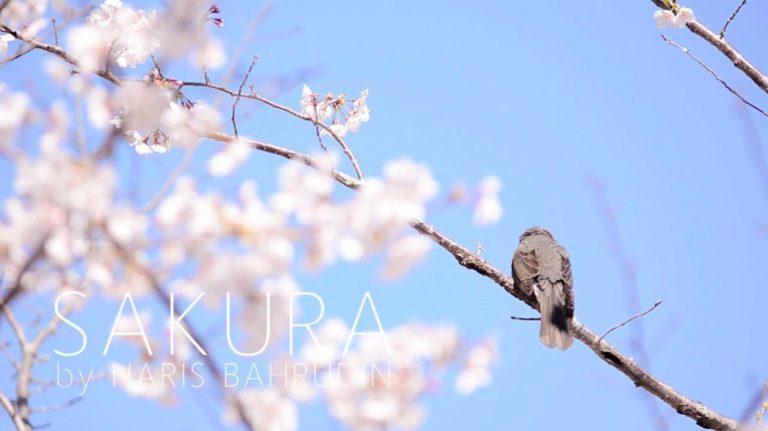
(488, 208)
(4, 41)
(267, 409)
(476, 371)
(14, 109)
(344, 116)
(23, 13)
(244, 243)
(391, 397)
(666, 18)
(229, 158)
(153, 121)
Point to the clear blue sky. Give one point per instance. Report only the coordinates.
(541, 94)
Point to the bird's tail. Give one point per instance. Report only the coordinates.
(554, 316)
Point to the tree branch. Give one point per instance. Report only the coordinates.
(268, 102)
(703, 415)
(724, 47)
(57, 51)
(15, 289)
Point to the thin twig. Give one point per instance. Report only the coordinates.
(525, 318)
(55, 32)
(755, 149)
(240, 93)
(628, 270)
(755, 403)
(56, 407)
(714, 74)
(177, 172)
(731, 18)
(636, 316)
(317, 132)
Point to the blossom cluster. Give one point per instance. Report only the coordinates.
(667, 18)
(116, 32)
(345, 115)
(153, 120)
(390, 398)
(72, 221)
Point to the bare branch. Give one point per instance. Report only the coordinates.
(15, 325)
(714, 74)
(636, 316)
(9, 408)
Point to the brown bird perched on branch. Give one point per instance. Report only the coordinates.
(541, 267)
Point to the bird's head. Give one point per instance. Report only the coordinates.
(535, 230)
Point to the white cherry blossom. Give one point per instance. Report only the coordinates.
(666, 18)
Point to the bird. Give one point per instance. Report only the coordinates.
(542, 267)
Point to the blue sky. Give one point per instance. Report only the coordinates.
(541, 94)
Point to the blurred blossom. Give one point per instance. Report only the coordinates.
(210, 55)
(127, 226)
(229, 158)
(476, 371)
(153, 121)
(23, 13)
(57, 70)
(98, 105)
(389, 397)
(183, 31)
(139, 381)
(14, 109)
(114, 32)
(236, 241)
(4, 40)
(488, 207)
(331, 338)
(404, 254)
(267, 409)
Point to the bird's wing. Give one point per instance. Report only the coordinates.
(567, 279)
(525, 268)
